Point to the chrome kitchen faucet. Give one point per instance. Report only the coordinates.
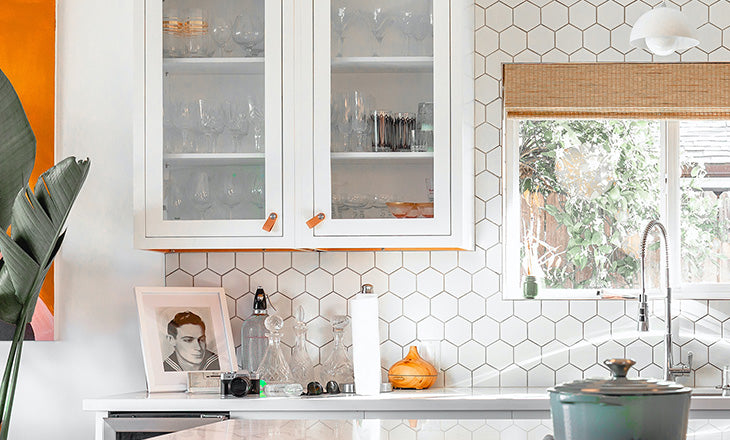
(670, 370)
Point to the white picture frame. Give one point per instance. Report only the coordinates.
(174, 342)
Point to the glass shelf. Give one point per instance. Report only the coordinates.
(382, 65)
(251, 65)
(399, 157)
(205, 159)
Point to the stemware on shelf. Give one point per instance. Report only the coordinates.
(359, 104)
(378, 19)
(221, 33)
(342, 16)
(197, 36)
(200, 192)
(341, 114)
(248, 32)
(424, 127)
(238, 124)
(231, 190)
(185, 118)
(257, 190)
(213, 117)
(338, 365)
(256, 118)
(174, 200)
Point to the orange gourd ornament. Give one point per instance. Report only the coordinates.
(412, 372)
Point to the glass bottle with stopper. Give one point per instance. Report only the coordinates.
(338, 366)
(253, 334)
(302, 367)
(274, 369)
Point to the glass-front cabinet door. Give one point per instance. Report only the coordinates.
(383, 151)
(213, 123)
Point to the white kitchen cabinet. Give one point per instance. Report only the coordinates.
(204, 182)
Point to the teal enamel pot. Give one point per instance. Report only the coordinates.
(620, 408)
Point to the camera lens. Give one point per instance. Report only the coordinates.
(240, 386)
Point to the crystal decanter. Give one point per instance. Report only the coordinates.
(338, 366)
(302, 367)
(274, 368)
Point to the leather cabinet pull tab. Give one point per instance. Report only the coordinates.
(314, 221)
(269, 225)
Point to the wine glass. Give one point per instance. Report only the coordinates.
(341, 18)
(174, 200)
(231, 191)
(238, 124)
(186, 119)
(200, 192)
(378, 19)
(258, 195)
(221, 33)
(248, 31)
(213, 121)
(256, 117)
(359, 114)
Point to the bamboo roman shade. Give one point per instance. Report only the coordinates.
(617, 90)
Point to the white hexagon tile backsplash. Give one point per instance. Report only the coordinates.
(455, 297)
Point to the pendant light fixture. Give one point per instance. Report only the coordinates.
(663, 30)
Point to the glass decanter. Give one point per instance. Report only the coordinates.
(302, 367)
(274, 368)
(338, 366)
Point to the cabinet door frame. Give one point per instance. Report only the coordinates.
(151, 231)
(454, 169)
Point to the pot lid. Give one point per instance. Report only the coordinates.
(619, 384)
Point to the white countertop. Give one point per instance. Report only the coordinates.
(399, 430)
(432, 400)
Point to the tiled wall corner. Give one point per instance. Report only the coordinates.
(456, 296)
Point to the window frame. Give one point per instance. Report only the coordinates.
(669, 215)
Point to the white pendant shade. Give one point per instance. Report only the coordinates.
(662, 31)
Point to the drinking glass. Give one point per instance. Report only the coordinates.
(213, 120)
(231, 191)
(174, 200)
(258, 195)
(238, 124)
(200, 192)
(172, 34)
(424, 127)
(341, 121)
(357, 203)
(429, 189)
(359, 114)
(248, 31)
(403, 125)
(186, 120)
(416, 24)
(197, 36)
(256, 118)
(221, 33)
(382, 130)
(341, 17)
(378, 19)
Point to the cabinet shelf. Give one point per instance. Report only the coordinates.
(240, 65)
(397, 157)
(208, 159)
(382, 65)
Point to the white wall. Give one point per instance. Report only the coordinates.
(98, 351)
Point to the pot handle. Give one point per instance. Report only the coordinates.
(548, 437)
(619, 367)
(594, 399)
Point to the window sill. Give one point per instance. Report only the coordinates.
(700, 291)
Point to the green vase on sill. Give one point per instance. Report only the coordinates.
(529, 287)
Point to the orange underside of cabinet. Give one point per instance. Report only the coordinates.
(28, 59)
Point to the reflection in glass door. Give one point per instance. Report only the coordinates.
(389, 125)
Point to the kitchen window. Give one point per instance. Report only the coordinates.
(592, 153)
(582, 190)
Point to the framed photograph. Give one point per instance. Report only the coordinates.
(183, 329)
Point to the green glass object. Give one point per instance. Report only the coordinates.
(529, 287)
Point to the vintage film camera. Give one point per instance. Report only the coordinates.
(240, 385)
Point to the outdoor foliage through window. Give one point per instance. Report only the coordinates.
(587, 189)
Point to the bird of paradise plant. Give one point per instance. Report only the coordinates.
(32, 228)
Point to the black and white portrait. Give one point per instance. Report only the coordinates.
(183, 329)
(186, 340)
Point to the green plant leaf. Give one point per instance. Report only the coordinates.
(17, 149)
